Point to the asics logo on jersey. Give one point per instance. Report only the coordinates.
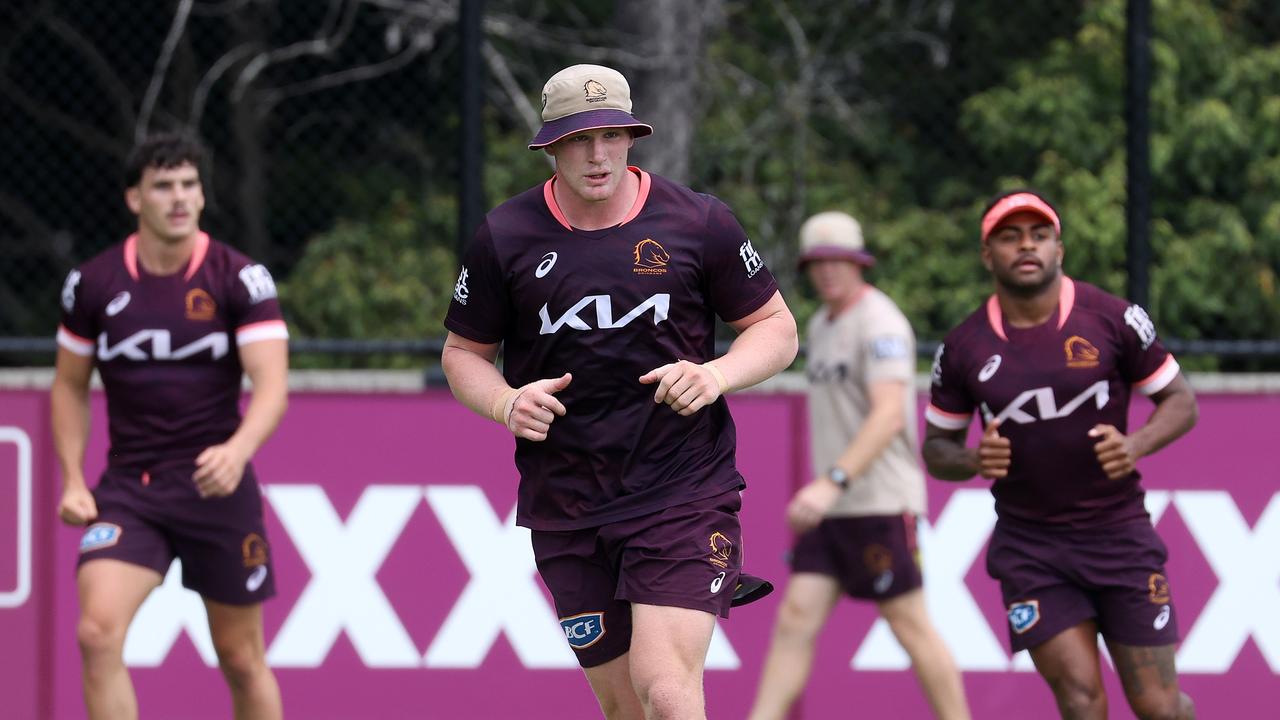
(660, 303)
(544, 267)
(118, 303)
(1046, 405)
(132, 347)
(1162, 619)
(993, 364)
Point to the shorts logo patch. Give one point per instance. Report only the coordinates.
(1024, 615)
(883, 583)
(254, 550)
(256, 578)
(1158, 589)
(100, 535)
(583, 630)
(877, 558)
(719, 581)
(1163, 618)
(721, 550)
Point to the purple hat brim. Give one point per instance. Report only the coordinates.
(828, 252)
(553, 130)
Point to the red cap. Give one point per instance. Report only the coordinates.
(1016, 203)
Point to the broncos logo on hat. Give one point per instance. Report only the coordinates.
(595, 91)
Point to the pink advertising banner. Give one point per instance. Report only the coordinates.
(405, 591)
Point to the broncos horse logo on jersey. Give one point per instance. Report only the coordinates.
(650, 257)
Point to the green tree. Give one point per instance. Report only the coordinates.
(375, 279)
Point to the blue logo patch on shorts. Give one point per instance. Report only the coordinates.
(100, 535)
(583, 630)
(1024, 615)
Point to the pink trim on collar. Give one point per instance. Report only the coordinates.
(1066, 302)
(197, 255)
(549, 196)
(131, 255)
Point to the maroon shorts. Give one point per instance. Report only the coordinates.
(685, 556)
(873, 557)
(221, 541)
(1053, 580)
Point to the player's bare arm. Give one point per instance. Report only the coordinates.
(766, 344)
(947, 458)
(69, 410)
(1176, 413)
(474, 380)
(883, 423)
(220, 468)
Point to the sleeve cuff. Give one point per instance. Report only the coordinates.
(265, 330)
(74, 343)
(947, 420)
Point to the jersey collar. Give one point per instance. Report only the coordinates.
(197, 255)
(549, 195)
(1066, 301)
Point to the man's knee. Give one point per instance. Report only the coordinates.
(99, 638)
(1162, 705)
(1078, 697)
(799, 618)
(669, 695)
(240, 661)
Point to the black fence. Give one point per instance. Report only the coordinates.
(354, 142)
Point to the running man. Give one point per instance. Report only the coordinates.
(1050, 363)
(172, 319)
(602, 285)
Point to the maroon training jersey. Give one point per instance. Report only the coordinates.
(610, 305)
(1048, 386)
(166, 346)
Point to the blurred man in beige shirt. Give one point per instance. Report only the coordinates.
(856, 520)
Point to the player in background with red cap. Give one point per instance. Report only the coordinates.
(1049, 363)
(856, 521)
(602, 286)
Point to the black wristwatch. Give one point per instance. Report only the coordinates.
(838, 476)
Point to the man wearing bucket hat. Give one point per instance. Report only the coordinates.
(602, 286)
(1050, 363)
(856, 520)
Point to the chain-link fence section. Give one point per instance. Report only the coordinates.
(334, 128)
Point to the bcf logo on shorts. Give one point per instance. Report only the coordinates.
(1024, 615)
(583, 630)
(99, 536)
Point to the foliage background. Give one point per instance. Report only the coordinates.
(335, 133)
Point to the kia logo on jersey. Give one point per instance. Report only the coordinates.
(660, 303)
(131, 348)
(1045, 404)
